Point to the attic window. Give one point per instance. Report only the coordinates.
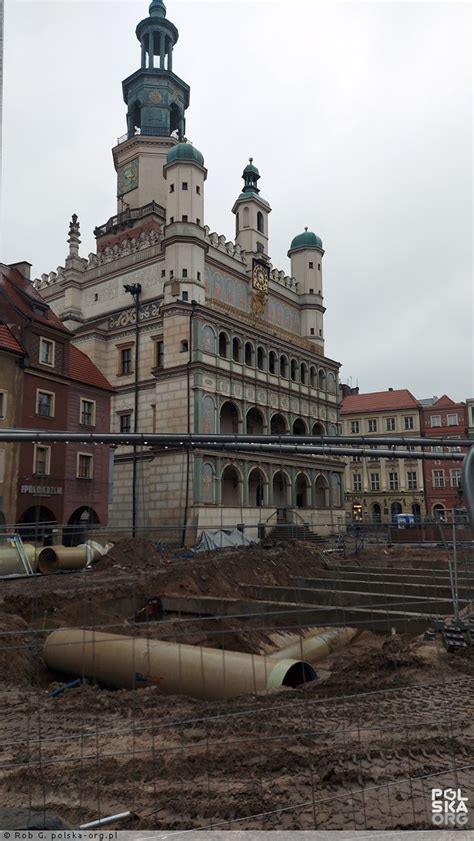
(311, 265)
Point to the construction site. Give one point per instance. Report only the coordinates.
(280, 685)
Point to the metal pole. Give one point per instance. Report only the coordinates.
(455, 568)
(135, 290)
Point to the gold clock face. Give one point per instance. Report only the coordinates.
(260, 277)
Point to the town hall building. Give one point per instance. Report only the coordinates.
(226, 342)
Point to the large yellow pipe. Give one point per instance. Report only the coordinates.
(55, 558)
(317, 646)
(11, 563)
(134, 662)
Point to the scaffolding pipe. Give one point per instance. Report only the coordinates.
(133, 662)
(11, 562)
(55, 558)
(317, 646)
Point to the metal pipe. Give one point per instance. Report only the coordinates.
(11, 563)
(54, 558)
(155, 438)
(134, 662)
(106, 821)
(317, 646)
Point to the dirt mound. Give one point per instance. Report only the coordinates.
(137, 554)
(18, 651)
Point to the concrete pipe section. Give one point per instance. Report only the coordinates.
(318, 646)
(11, 563)
(133, 662)
(55, 558)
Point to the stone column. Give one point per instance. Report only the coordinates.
(245, 493)
(198, 462)
(143, 54)
(218, 481)
(151, 61)
(162, 51)
(170, 56)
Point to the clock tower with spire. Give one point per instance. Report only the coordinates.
(156, 100)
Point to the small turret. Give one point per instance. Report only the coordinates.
(251, 215)
(306, 253)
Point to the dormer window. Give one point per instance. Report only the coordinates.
(47, 352)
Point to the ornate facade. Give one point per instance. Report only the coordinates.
(227, 342)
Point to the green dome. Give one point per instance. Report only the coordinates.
(185, 152)
(306, 240)
(250, 168)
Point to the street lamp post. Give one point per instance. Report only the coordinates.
(135, 289)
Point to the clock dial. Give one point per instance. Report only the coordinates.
(128, 177)
(260, 277)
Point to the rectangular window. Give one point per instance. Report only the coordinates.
(311, 265)
(185, 296)
(356, 458)
(45, 404)
(409, 422)
(159, 354)
(199, 275)
(184, 346)
(171, 188)
(452, 420)
(185, 218)
(198, 221)
(355, 427)
(184, 185)
(435, 420)
(455, 476)
(393, 481)
(125, 361)
(3, 405)
(126, 423)
(390, 424)
(372, 425)
(163, 273)
(198, 190)
(185, 272)
(438, 478)
(412, 481)
(88, 412)
(319, 267)
(312, 331)
(85, 466)
(171, 220)
(46, 354)
(374, 482)
(357, 482)
(41, 460)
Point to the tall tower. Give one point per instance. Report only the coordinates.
(306, 254)
(156, 102)
(251, 215)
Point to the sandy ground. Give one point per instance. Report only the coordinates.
(389, 719)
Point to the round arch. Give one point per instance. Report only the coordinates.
(257, 483)
(231, 485)
(318, 428)
(439, 512)
(37, 523)
(299, 427)
(224, 344)
(395, 509)
(229, 418)
(302, 485)
(278, 425)
(376, 512)
(255, 423)
(321, 492)
(281, 484)
(322, 379)
(80, 521)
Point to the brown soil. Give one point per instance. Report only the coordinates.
(359, 749)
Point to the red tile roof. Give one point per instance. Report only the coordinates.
(22, 294)
(82, 369)
(8, 341)
(444, 402)
(379, 401)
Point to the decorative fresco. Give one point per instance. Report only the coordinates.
(284, 316)
(208, 483)
(208, 415)
(227, 290)
(208, 339)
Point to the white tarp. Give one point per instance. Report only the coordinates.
(221, 539)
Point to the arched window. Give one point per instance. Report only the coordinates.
(304, 373)
(246, 217)
(336, 482)
(439, 513)
(236, 350)
(223, 345)
(254, 422)
(256, 488)
(376, 513)
(312, 376)
(416, 511)
(272, 362)
(299, 427)
(395, 509)
(283, 366)
(260, 224)
(260, 359)
(294, 369)
(331, 383)
(208, 483)
(322, 380)
(229, 418)
(277, 425)
(230, 487)
(249, 353)
(174, 117)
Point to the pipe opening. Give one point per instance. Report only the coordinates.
(299, 673)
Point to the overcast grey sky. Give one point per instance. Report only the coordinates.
(358, 116)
